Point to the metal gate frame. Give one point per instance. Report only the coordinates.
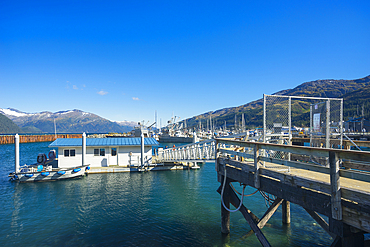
(327, 116)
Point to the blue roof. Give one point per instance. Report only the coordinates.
(98, 142)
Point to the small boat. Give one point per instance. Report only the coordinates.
(47, 170)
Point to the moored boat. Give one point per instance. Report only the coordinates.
(46, 169)
(43, 170)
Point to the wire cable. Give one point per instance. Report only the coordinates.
(222, 196)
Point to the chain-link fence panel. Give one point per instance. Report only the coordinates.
(316, 121)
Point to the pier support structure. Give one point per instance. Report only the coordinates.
(299, 182)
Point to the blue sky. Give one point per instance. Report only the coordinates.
(124, 60)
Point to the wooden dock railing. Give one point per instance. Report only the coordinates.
(338, 189)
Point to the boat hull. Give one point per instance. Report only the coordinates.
(49, 175)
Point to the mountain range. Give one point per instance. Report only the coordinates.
(72, 121)
(355, 94)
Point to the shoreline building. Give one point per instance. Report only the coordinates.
(103, 152)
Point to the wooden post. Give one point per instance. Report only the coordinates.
(257, 184)
(216, 155)
(286, 212)
(257, 231)
(345, 234)
(225, 215)
(336, 205)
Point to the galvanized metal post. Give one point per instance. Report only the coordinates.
(83, 148)
(327, 144)
(341, 123)
(290, 124)
(16, 144)
(311, 126)
(264, 118)
(290, 120)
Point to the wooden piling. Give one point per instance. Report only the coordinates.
(225, 215)
(286, 212)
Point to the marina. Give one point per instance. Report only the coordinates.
(172, 208)
(326, 178)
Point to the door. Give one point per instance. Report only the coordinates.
(113, 157)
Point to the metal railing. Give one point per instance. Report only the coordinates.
(200, 151)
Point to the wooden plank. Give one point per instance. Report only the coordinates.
(256, 167)
(255, 218)
(321, 152)
(354, 165)
(359, 196)
(320, 221)
(294, 194)
(336, 206)
(257, 231)
(269, 213)
(236, 153)
(357, 215)
(311, 167)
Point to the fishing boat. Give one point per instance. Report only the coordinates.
(46, 169)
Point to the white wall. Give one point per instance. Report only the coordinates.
(102, 161)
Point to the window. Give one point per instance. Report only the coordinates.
(69, 152)
(99, 152)
(114, 151)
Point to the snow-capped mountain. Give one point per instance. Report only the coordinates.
(71, 121)
(127, 123)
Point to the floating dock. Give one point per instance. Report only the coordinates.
(153, 167)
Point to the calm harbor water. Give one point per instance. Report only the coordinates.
(168, 208)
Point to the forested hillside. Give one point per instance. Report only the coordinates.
(7, 126)
(355, 94)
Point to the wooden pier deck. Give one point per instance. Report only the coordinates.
(340, 190)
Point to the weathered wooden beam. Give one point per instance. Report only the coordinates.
(320, 221)
(361, 197)
(294, 194)
(269, 213)
(354, 165)
(353, 174)
(285, 212)
(358, 215)
(256, 167)
(321, 152)
(255, 218)
(225, 214)
(345, 235)
(336, 206)
(257, 231)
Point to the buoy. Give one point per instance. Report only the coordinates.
(52, 155)
(88, 168)
(29, 175)
(61, 172)
(45, 174)
(76, 169)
